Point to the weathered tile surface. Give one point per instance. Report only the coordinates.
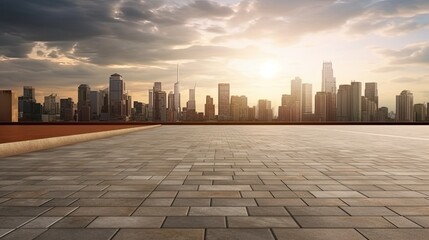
(224, 182)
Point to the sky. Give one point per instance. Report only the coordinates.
(257, 46)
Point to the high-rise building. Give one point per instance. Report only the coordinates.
(177, 103)
(117, 97)
(96, 100)
(344, 103)
(307, 98)
(223, 102)
(138, 111)
(29, 93)
(51, 105)
(251, 112)
(265, 113)
(325, 109)
(209, 108)
(369, 110)
(66, 109)
(404, 107)
(104, 115)
(157, 87)
(84, 103)
(371, 92)
(285, 110)
(191, 104)
(356, 101)
(8, 106)
(160, 106)
(239, 108)
(420, 112)
(171, 109)
(296, 95)
(150, 105)
(383, 114)
(328, 80)
(28, 108)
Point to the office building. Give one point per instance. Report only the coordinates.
(84, 103)
(296, 98)
(404, 107)
(420, 112)
(223, 102)
(28, 108)
(239, 108)
(356, 101)
(265, 113)
(51, 105)
(209, 109)
(328, 80)
(371, 92)
(160, 106)
(344, 103)
(8, 106)
(67, 109)
(307, 98)
(117, 98)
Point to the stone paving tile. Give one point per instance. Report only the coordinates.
(317, 234)
(342, 222)
(4, 231)
(127, 222)
(219, 173)
(261, 222)
(368, 211)
(395, 234)
(218, 211)
(194, 222)
(103, 211)
(238, 234)
(316, 211)
(267, 211)
(73, 234)
(24, 234)
(150, 234)
(73, 222)
(42, 222)
(161, 211)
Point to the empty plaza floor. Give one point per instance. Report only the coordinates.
(224, 182)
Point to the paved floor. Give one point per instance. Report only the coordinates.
(224, 182)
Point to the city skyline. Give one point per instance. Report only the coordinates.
(256, 46)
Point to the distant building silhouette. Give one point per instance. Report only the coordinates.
(117, 98)
(404, 107)
(8, 106)
(356, 101)
(223, 102)
(209, 108)
(84, 103)
(328, 80)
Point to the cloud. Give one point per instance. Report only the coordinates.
(417, 53)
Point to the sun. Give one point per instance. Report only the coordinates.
(268, 69)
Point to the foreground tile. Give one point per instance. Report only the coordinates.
(150, 234)
(127, 222)
(218, 211)
(395, 234)
(194, 222)
(261, 222)
(77, 234)
(317, 234)
(238, 234)
(343, 222)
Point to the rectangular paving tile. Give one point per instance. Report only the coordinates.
(267, 211)
(150, 234)
(395, 234)
(127, 222)
(319, 234)
(225, 188)
(316, 211)
(194, 222)
(337, 194)
(261, 222)
(209, 194)
(248, 234)
(218, 211)
(103, 211)
(73, 222)
(161, 211)
(73, 234)
(343, 222)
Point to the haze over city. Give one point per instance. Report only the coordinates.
(257, 46)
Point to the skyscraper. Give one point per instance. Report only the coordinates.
(150, 105)
(404, 107)
(28, 108)
(51, 105)
(96, 100)
(66, 109)
(157, 87)
(371, 92)
(84, 103)
(177, 104)
(160, 106)
(320, 106)
(328, 80)
(171, 110)
(29, 93)
(191, 104)
(296, 97)
(307, 98)
(265, 113)
(8, 106)
(356, 101)
(223, 102)
(239, 108)
(344, 103)
(117, 97)
(209, 108)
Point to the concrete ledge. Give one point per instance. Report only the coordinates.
(15, 148)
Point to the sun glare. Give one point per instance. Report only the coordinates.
(268, 69)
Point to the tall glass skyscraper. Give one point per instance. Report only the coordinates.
(117, 97)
